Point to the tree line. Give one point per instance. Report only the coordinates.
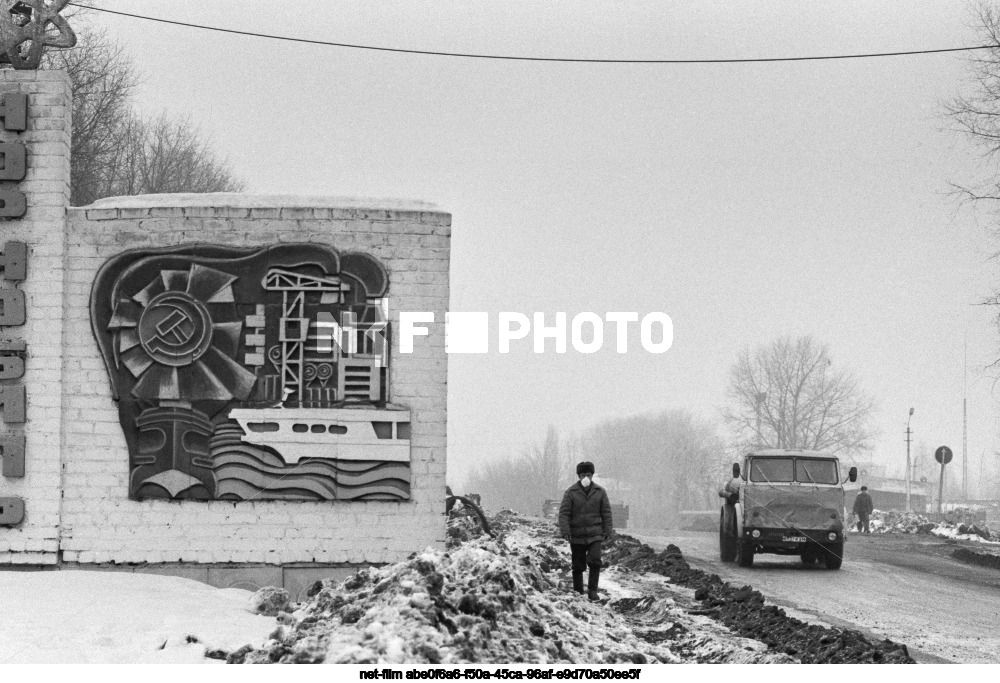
(785, 394)
(117, 149)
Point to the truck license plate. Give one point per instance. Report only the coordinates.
(793, 539)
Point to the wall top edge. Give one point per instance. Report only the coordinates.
(239, 200)
(9, 74)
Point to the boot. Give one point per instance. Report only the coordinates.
(578, 582)
(592, 580)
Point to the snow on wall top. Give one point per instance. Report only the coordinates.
(240, 200)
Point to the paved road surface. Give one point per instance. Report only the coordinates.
(902, 587)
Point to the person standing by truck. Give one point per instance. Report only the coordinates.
(585, 521)
(863, 508)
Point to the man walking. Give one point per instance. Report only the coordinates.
(863, 508)
(585, 521)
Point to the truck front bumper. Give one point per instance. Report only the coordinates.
(790, 541)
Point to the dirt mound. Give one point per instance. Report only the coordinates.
(483, 601)
(983, 559)
(507, 600)
(743, 610)
(897, 522)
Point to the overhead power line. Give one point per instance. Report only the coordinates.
(571, 60)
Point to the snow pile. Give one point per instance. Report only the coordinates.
(485, 602)
(254, 201)
(508, 600)
(897, 522)
(966, 532)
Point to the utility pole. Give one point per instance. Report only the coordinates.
(909, 508)
(761, 397)
(965, 422)
(965, 456)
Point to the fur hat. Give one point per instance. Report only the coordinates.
(585, 467)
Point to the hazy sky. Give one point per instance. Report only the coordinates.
(747, 201)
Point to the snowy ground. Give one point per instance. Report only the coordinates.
(482, 601)
(109, 617)
(112, 617)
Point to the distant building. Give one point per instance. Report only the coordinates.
(888, 493)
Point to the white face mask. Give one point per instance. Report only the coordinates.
(585, 481)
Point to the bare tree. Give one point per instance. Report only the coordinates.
(169, 155)
(103, 80)
(548, 466)
(662, 464)
(788, 395)
(657, 465)
(976, 115)
(524, 483)
(117, 151)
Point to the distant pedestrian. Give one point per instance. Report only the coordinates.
(585, 521)
(863, 508)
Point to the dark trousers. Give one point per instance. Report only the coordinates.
(863, 521)
(586, 555)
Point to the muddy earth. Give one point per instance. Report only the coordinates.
(745, 612)
(507, 599)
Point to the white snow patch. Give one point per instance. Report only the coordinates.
(239, 200)
(947, 531)
(68, 616)
(519, 539)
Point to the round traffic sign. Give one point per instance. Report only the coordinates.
(943, 455)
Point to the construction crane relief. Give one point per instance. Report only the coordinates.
(256, 373)
(321, 360)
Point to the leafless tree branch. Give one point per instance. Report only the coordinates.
(117, 151)
(806, 402)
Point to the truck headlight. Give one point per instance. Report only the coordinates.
(755, 533)
(832, 536)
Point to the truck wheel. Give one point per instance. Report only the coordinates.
(727, 539)
(744, 553)
(833, 555)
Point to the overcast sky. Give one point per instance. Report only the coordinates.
(747, 201)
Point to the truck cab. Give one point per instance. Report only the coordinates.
(785, 502)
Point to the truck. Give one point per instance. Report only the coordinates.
(785, 502)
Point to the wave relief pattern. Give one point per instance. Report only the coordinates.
(246, 471)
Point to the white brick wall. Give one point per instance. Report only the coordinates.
(76, 460)
(100, 524)
(46, 187)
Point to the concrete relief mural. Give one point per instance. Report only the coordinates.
(252, 374)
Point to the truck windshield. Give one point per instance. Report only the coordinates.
(816, 471)
(786, 470)
(772, 469)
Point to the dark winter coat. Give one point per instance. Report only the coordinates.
(585, 514)
(863, 504)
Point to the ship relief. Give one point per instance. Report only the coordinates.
(252, 374)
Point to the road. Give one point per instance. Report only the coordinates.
(903, 587)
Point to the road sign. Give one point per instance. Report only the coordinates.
(943, 455)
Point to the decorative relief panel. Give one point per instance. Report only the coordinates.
(252, 374)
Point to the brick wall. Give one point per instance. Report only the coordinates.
(46, 187)
(75, 486)
(100, 524)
